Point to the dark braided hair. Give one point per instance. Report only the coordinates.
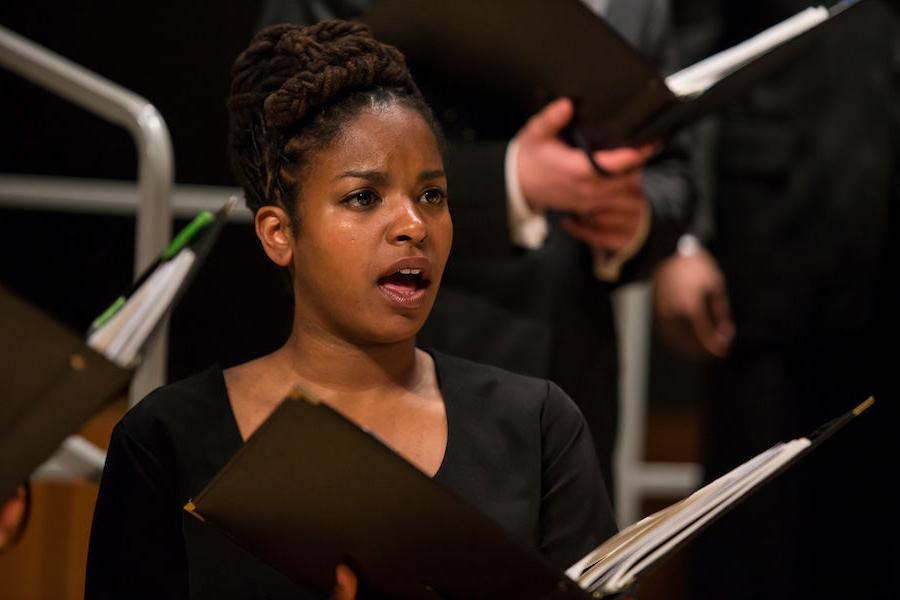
(292, 90)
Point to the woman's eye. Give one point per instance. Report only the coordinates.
(433, 196)
(361, 199)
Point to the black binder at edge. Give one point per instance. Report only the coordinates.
(529, 52)
(52, 384)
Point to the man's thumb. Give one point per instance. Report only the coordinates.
(550, 120)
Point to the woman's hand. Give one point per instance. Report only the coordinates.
(345, 585)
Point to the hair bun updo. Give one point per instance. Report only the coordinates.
(284, 81)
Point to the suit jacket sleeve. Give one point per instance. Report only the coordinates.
(669, 179)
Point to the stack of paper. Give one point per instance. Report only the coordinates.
(123, 329)
(700, 76)
(615, 564)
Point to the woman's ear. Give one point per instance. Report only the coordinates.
(273, 228)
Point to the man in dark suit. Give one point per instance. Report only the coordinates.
(527, 288)
(806, 206)
(541, 303)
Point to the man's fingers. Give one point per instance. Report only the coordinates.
(704, 329)
(607, 239)
(625, 159)
(620, 191)
(720, 311)
(613, 223)
(550, 120)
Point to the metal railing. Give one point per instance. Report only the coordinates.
(122, 107)
(637, 478)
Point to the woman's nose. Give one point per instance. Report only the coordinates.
(408, 225)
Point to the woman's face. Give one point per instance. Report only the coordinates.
(375, 229)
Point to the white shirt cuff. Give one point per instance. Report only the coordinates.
(688, 245)
(527, 228)
(608, 266)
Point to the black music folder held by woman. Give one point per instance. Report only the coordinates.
(525, 53)
(310, 489)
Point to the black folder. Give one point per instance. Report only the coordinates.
(528, 52)
(51, 382)
(310, 489)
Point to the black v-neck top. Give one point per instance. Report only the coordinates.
(517, 449)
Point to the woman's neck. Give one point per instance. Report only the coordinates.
(328, 363)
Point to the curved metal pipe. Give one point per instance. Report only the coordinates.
(117, 105)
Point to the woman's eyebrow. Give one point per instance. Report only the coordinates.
(371, 175)
(433, 174)
(381, 177)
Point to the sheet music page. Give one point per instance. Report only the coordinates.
(149, 316)
(616, 562)
(698, 77)
(121, 338)
(629, 569)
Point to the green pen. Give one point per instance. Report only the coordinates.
(181, 240)
(184, 236)
(107, 314)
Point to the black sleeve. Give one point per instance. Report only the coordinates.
(576, 515)
(136, 545)
(669, 180)
(669, 185)
(697, 29)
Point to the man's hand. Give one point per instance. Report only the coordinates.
(555, 176)
(692, 307)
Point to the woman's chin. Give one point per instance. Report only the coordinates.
(394, 329)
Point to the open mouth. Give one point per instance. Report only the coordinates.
(405, 283)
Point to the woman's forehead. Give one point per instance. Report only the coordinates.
(381, 136)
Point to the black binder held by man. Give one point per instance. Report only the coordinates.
(52, 379)
(310, 489)
(526, 53)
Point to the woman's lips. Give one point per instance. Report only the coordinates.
(405, 283)
(403, 296)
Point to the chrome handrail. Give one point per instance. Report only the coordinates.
(118, 105)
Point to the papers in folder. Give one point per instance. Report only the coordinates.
(617, 563)
(124, 328)
(700, 76)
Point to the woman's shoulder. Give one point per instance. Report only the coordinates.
(182, 404)
(497, 385)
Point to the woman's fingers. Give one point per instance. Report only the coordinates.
(345, 585)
